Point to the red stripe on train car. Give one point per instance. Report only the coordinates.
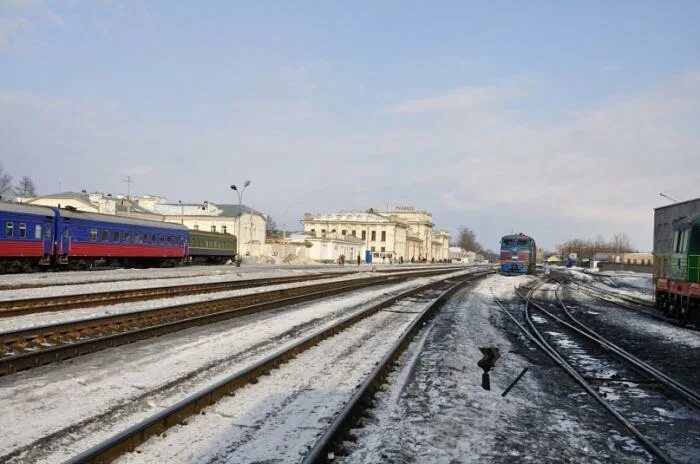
(20, 248)
(97, 250)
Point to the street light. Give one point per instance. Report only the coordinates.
(239, 192)
(182, 212)
(666, 196)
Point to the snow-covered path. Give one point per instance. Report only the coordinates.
(435, 410)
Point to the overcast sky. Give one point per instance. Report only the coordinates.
(556, 120)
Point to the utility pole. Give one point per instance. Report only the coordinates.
(128, 192)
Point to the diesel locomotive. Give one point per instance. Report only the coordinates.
(677, 260)
(518, 253)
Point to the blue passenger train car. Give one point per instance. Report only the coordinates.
(518, 253)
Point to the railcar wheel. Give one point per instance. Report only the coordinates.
(684, 311)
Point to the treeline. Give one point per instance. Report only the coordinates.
(620, 243)
(466, 239)
(8, 191)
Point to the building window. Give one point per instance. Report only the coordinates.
(195, 227)
(105, 235)
(93, 235)
(22, 230)
(37, 231)
(313, 231)
(344, 232)
(383, 236)
(354, 233)
(364, 235)
(333, 230)
(374, 235)
(382, 249)
(154, 238)
(213, 228)
(372, 248)
(223, 229)
(115, 236)
(323, 231)
(9, 229)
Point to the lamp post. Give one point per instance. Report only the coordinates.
(239, 192)
(666, 196)
(182, 212)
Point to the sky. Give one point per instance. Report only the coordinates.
(557, 119)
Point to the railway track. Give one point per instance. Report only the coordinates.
(20, 307)
(35, 346)
(127, 440)
(627, 387)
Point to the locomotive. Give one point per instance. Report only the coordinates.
(677, 260)
(34, 237)
(518, 254)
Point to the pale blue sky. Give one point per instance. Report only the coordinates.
(557, 119)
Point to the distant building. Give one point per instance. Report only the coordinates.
(404, 233)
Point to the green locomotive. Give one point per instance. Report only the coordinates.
(677, 261)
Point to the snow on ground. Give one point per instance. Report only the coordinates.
(54, 317)
(279, 418)
(639, 322)
(636, 285)
(131, 382)
(434, 409)
(79, 288)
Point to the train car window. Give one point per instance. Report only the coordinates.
(695, 241)
(37, 232)
(127, 236)
(115, 236)
(169, 239)
(144, 239)
(154, 238)
(508, 241)
(22, 230)
(47, 234)
(137, 238)
(105, 236)
(93, 235)
(9, 229)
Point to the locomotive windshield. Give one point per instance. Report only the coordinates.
(522, 242)
(507, 241)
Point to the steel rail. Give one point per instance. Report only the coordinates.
(683, 391)
(37, 346)
(325, 448)
(127, 440)
(552, 352)
(24, 306)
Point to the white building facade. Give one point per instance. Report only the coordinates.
(405, 236)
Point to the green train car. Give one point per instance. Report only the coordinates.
(211, 247)
(677, 261)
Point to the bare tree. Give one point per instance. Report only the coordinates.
(271, 225)
(466, 238)
(5, 185)
(620, 243)
(25, 188)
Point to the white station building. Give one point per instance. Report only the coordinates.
(404, 234)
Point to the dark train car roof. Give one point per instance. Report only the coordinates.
(666, 219)
(121, 220)
(205, 233)
(26, 209)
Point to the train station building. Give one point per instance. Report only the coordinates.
(403, 233)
